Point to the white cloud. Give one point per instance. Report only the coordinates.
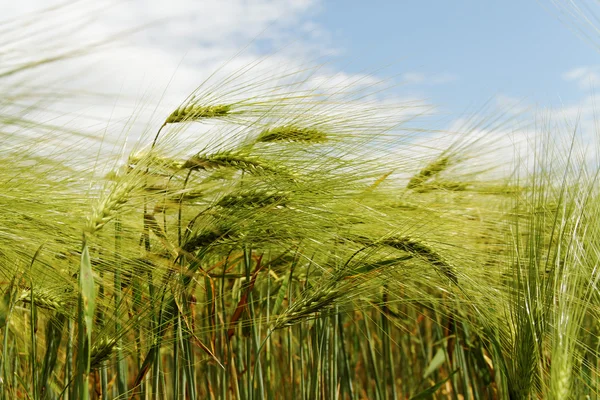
(186, 41)
(586, 77)
(179, 43)
(147, 74)
(554, 130)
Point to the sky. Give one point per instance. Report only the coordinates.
(463, 52)
(458, 56)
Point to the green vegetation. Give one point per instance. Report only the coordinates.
(297, 253)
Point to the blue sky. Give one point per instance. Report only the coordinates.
(464, 52)
(456, 55)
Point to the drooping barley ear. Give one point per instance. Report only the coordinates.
(223, 160)
(102, 350)
(252, 199)
(291, 133)
(420, 249)
(44, 299)
(308, 306)
(207, 238)
(415, 248)
(195, 112)
(431, 170)
(239, 161)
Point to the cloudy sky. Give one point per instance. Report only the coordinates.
(459, 55)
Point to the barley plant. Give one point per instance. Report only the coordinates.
(269, 239)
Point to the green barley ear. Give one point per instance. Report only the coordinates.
(430, 171)
(415, 248)
(208, 237)
(422, 250)
(310, 304)
(102, 350)
(47, 300)
(109, 206)
(194, 112)
(252, 199)
(292, 133)
(236, 161)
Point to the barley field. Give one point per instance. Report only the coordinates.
(266, 238)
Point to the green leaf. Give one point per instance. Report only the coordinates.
(281, 295)
(87, 305)
(88, 295)
(425, 394)
(437, 360)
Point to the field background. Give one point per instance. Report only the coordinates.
(282, 230)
